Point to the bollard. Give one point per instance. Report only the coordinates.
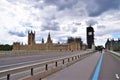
(63, 61)
(68, 60)
(46, 67)
(56, 64)
(8, 76)
(31, 71)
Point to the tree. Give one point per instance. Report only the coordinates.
(99, 47)
(5, 47)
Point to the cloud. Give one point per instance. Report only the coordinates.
(62, 39)
(93, 7)
(101, 27)
(91, 22)
(61, 17)
(102, 39)
(54, 26)
(74, 30)
(26, 24)
(62, 4)
(103, 6)
(76, 23)
(19, 34)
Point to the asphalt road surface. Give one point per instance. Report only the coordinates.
(85, 69)
(15, 61)
(110, 68)
(81, 70)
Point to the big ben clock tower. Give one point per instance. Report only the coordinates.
(90, 37)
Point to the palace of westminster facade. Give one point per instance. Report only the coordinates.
(72, 44)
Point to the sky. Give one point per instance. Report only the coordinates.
(62, 18)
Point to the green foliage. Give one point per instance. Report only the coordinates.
(99, 47)
(5, 47)
(119, 47)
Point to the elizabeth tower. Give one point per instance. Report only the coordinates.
(90, 37)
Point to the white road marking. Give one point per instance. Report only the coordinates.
(29, 62)
(26, 62)
(117, 76)
(36, 61)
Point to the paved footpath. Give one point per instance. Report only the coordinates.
(82, 70)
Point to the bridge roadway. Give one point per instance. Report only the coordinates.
(110, 68)
(86, 68)
(8, 62)
(82, 70)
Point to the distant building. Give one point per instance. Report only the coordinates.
(72, 44)
(90, 37)
(112, 44)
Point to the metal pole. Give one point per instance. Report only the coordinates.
(63, 61)
(56, 64)
(8, 76)
(46, 67)
(31, 71)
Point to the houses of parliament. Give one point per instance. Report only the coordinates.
(72, 44)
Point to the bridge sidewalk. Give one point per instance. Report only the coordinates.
(82, 70)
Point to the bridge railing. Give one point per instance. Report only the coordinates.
(64, 61)
(115, 53)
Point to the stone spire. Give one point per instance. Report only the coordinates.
(49, 38)
(31, 37)
(42, 41)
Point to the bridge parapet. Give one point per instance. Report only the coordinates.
(115, 53)
(50, 67)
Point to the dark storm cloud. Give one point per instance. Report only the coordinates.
(105, 5)
(19, 34)
(102, 5)
(91, 22)
(93, 7)
(62, 4)
(54, 26)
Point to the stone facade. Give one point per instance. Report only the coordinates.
(75, 44)
(112, 44)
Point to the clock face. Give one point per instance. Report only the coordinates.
(90, 33)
